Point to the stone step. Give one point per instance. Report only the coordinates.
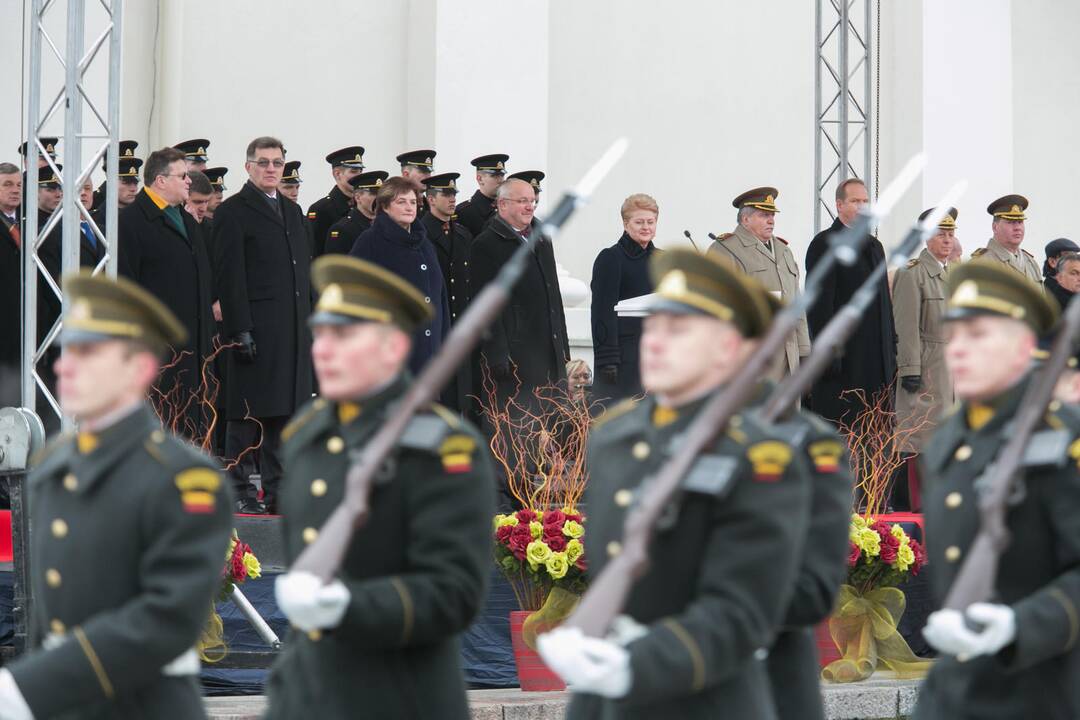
(882, 697)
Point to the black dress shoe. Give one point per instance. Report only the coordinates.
(250, 506)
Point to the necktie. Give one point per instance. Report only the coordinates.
(16, 235)
(526, 231)
(85, 226)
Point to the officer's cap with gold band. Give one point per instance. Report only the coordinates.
(445, 183)
(533, 177)
(688, 282)
(947, 221)
(291, 175)
(216, 176)
(984, 287)
(1009, 207)
(49, 179)
(194, 150)
(369, 180)
(104, 308)
(494, 164)
(129, 168)
(350, 157)
(353, 290)
(762, 198)
(417, 158)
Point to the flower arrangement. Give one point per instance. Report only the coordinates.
(880, 555)
(540, 550)
(240, 566)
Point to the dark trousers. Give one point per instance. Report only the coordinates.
(241, 435)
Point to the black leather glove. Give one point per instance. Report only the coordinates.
(610, 374)
(911, 383)
(246, 352)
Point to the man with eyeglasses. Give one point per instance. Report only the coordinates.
(160, 246)
(264, 285)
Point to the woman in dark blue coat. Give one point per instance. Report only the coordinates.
(397, 241)
(620, 272)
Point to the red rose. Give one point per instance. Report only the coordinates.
(525, 516)
(502, 534)
(581, 565)
(576, 517)
(920, 557)
(239, 572)
(556, 542)
(854, 553)
(891, 541)
(519, 541)
(554, 517)
(888, 554)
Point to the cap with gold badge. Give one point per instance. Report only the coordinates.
(104, 308)
(494, 164)
(948, 220)
(533, 177)
(1009, 207)
(129, 169)
(690, 283)
(49, 143)
(127, 152)
(291, 174)
(353, 290)
(417, 158)
(49, 179)
(762, 198)
(443, 182)
(194, 150)
(216, 176)
(350, 157)
(369, 181)
(982, 287)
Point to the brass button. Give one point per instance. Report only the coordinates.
(641, 450)
(59, 528)
(56, 627)
(623, 498)
(735, 421)
(953, 500)
(52, 578)
(1054, 406)
(71, 483)
(310, 534)
(314, 635)
(613, 548)
(962, 453)
(335, 445)
(157, 436)
(952, 553)
(318, 487)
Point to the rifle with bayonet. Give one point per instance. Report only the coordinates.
(324, 556)
(608, 592)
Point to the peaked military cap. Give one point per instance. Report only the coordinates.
(350, 157)
(417, 158)
(947, 222)
(491, 164)
(369, 181)
(103, 308)
(443, 182)
(688, 282)
(762, 198)
(1009, 207)
(50, 144)
(533, 177)
(127, 151)
(48, 178)
(194, 150)
(291, 175)
(983, 287)
(353, 290)
(216, 176)
(129, 168)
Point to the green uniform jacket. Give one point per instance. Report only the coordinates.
(127, 551)
(721, 573)
(794, 671)
(1038, 575)
(416, 571)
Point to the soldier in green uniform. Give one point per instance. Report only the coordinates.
(324, 212)
(381, 639)
(1008, 229)
(698, 623)
(344, 232)
(1018, 659)
(131, 528)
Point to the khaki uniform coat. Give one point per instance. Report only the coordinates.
(1022, 262)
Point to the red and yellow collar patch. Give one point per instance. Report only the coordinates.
(826, 456)
(457, 453)
(198, 488)
(769, 460)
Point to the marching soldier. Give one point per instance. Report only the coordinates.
(691, 642)
(1008, 229)
(127, 153)
(1016, 655)
(194, 153)
(119, 633)
(757, 252)
(383, 635)
(290, 180)
(344, 232)
(474, 213)
(924, 389)
(345, 164)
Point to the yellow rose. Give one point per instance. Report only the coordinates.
(252, 566)
(574, 550)
(905, 558)
(858, 521)
(536, 530)
(870, 542)
(557, 565)
(898, 533)
(504, 520)
(537, 553)
(573, 529)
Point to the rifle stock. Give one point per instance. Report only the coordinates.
(326, 553)
(978, 574)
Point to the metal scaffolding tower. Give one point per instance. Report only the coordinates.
(841, 99)
(72, 101)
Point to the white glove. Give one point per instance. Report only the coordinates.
(625, 630)
(12, 703)
(308, 603)
(947, 632)
(586, 664)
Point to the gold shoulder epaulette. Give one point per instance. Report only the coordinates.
(781, 239)
(979, 252)
(723, 236)
(615, 411)
(912, 262)
(301, 420)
